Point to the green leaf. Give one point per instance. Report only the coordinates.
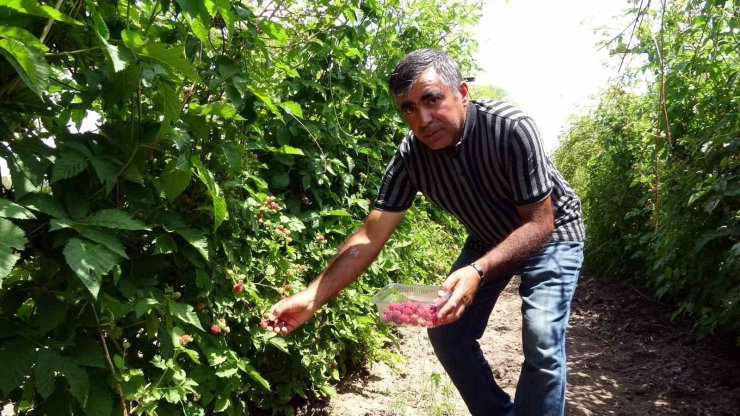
(29, 63)
(227, 370)
(68, 165)
(106, 238)
(98, 23)
(274, 30)
(219, 108)
(289, 150)
(99, 401)
(107, 172)
(171, 106)
(292, 107)
(253, 373)
(114, 218)
(172, 57)
(90, 262)
(33, 8)
(279, 342)
(164, 244)
(196, 238)
(145, 305)
(265, 98)
(22, 35)
(173, 180)
(60, 223)
(220, 212)
(132, 39)
(11, 237)
(197, 16)
(44, 203)
(120, 57)
(233, 154)
(12, 210)
(17, 356)
(185, 313)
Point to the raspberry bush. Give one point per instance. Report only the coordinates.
(234, 145)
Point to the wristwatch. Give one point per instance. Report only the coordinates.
(480, 271)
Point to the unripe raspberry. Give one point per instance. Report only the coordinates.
(288, 287)
(215, 329)
(185, 339)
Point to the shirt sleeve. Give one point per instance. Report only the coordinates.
(528, 164)
(397, 192)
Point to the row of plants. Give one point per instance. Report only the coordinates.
(234, 146)
(657, 162)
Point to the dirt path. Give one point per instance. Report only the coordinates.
(626, 357)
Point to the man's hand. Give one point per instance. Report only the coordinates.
(463, 283)
(290, 313)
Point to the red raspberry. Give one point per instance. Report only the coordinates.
(215, 329)
(239, 287)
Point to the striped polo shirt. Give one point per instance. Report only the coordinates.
(498, 164)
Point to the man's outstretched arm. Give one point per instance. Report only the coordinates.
(504, 259)
(351, 260)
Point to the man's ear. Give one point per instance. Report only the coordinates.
(463, 90)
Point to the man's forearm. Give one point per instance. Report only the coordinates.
(511, 254)
(352, 259)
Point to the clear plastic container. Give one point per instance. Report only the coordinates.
(413, 305)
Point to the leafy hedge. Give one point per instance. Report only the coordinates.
(235, 146)
(659, 173)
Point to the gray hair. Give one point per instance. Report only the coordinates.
(415, 63)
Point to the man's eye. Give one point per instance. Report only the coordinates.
(408, 110)
(433, 100)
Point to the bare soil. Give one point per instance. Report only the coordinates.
(625, 357)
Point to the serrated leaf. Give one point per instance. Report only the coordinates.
(11, 237)
(196, 238)
(173, 180)
(107, 172)
(45, 371)
(279, 342)
(119, 56)
(197, 16)
(17, 356)
(220, 212)
(99, 401)
(292, 107)
(60, 223)
(35, 9)
(253, 373)
(98, 23)
(10, 209)
(88, 352)
(22, 35)
(44, 203)
(132, 39)
(106, 238)
(68, 165)
(185, 313)
(114, 218)
(29, 63)
(265, 98)
(227, 370)
(90, 262)
(172, 57)
(274, 30)
(218, 108)
(171, 106)
(215, 357)
(233, 155)
(164, 244)
(289, 150)
(145, 305)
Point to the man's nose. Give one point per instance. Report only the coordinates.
(425, 116)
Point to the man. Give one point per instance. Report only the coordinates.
(483, 162)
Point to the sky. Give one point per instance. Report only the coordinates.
(544, 53)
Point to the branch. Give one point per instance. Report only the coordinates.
(119, 389)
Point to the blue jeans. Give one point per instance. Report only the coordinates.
(548, 281)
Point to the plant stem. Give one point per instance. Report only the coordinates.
(119, 389)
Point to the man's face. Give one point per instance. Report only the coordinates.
(433, 110)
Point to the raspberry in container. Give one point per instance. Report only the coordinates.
(412, 305)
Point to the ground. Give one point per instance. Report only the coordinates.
(625, 357)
